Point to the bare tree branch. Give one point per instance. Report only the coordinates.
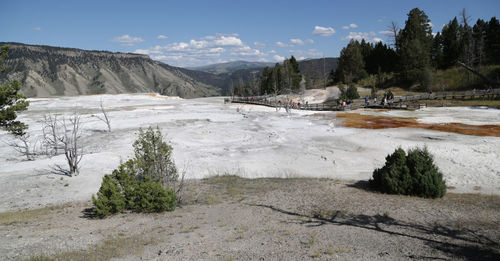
(105, 118)
(23, 146)
(50, 133)
(180, 188)
(73, 150)
(394, 28)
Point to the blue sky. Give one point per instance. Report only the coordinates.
(193, 33)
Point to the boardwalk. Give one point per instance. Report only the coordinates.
(406, 102)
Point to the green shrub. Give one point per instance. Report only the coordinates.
(149, 196)
(352, 92)
(123, 189)
(153, 158)
(409, 174)
(139, 184)
(110, 199)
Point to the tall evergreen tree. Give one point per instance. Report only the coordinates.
(278, 78)
(295, 73)
(437, 51)
(281, 78)
(351, 64)
(380, 56)
(414, 47)
(265, 83)
(452, 49)
(479, 42)
(493, 41)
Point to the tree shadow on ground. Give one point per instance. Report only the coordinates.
(457, 243)
(89, 213)
(361, 184)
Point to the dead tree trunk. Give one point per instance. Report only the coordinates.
(488, 81)
(104, 117)
(73, 150)
(50, 133)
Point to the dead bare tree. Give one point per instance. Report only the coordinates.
(23, 146)
(178, 189)
(73, 149)
(393, 27)
(466, 35)
(105, 117)
(50, 132)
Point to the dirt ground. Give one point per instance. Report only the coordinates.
(231, 218)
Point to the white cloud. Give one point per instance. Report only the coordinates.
(386, 32)
(259, 45)
(210, 37)
(296, 41)
(278, 58)
(281, 44)
(309, 41)
(303, 54)
(37, 28)
(368, 36)
(127, 39)
(351, 26)
(161, 36)
(228, 41)
(323, 31)
(246, 51)
(205, 50)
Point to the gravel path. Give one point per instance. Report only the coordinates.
(230, 218)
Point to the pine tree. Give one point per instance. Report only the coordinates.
(437, 51)
(295, 73)
(414, 48)
(479, 42)
(11, 102)
(451, 44)
(351, 64)
(493, 41)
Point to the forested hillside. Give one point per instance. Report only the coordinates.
(422, 60)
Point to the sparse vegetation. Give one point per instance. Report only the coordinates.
(410, 174)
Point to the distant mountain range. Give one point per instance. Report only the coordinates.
(229, 67)
(55, 71)
(239, 72)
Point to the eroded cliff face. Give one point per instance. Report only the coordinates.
(53, 71)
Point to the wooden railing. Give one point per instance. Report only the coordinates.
(399, 102)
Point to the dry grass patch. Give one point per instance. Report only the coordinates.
(113, 247)
(189, 230)
(27, 215)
